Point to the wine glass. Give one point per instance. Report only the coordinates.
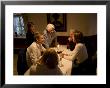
(59, 49)
(60, 60)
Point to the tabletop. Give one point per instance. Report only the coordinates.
(64, 65)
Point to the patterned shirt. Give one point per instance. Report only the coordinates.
(49, 38)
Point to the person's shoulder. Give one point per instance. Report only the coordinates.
(33, 69)
(59, 72)
(33, 45)
(29, 33)
(54, 31)
(80, 45)
(45, 32)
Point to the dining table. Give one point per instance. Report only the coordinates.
(64, 64)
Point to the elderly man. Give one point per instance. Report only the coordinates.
(50, 36)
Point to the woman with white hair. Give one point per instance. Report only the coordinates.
(50, 36)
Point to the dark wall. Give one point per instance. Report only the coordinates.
(91, 44)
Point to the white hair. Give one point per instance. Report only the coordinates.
(73, 30)
(50, 26)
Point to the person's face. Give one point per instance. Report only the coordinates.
(41, 39)
(71, 34)
(32, 28)
(73, 39)
(50, 29)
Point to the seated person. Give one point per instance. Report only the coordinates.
(35, 50)
(70, 43)
(47, 65)
(79, 54)
(50, 36)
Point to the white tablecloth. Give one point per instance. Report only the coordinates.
(66, 64)
(67, 67)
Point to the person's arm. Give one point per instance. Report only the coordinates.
(43, 49)
(74, 54)
(45, 40)
(70, 39)
(34, 54)
(33, 69)
(70, 44)
(54, 41)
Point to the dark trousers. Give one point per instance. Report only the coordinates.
(21, 62)
(85, 68)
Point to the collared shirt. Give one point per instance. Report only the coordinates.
(49, 37)
(33, 53)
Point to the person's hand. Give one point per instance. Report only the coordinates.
(70, 39)
(61, 55)
(76, 62)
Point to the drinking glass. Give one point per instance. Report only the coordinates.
(60, 60)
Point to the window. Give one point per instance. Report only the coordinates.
(18, 25)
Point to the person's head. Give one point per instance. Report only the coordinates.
(78, 37)
(31, 27)
(50, 28)
(72, 31)
(50, 58)
(39, 38)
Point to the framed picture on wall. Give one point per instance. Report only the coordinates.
(59, 20)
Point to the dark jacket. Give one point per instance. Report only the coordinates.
(71, 45)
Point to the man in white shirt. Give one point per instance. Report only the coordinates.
(35, 50)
